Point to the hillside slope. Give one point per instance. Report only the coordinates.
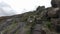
(40, 21)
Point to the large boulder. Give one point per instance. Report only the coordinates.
(53, 12)
(55, 3)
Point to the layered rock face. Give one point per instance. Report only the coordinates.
(40, 21)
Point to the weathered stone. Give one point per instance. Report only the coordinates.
(55, 3)
(39, 8)
(52, 12)
(57, 28)
(56, 24)
(43, 32)
(37, 29)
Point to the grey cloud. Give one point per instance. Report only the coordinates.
(6, 10)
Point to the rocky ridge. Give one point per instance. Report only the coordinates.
(40, 21)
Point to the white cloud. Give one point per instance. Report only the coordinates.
(26, 5)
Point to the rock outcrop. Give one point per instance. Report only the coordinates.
(40, 21)
(55, 3)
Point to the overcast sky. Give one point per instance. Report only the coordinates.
(21, 6)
